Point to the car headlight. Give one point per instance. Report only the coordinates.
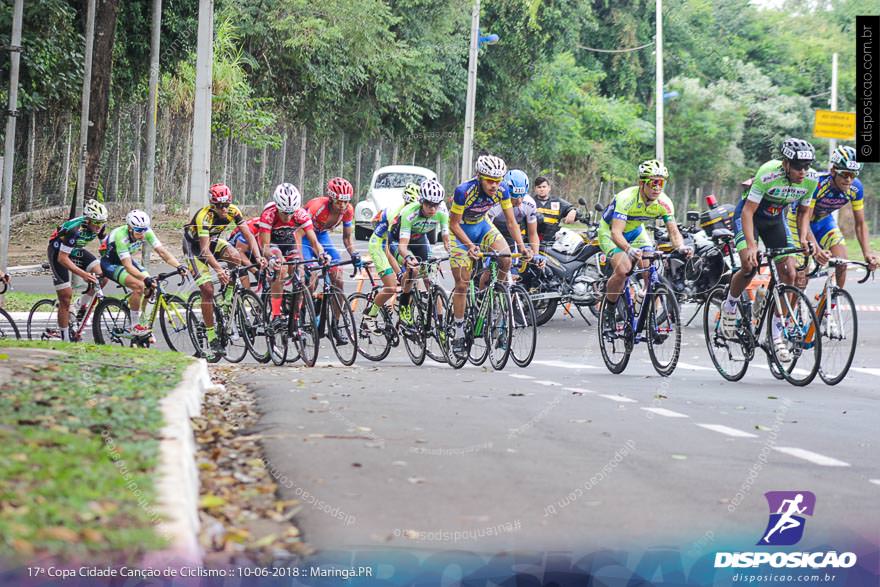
(366, 214)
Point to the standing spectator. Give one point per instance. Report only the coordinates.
(554, 210)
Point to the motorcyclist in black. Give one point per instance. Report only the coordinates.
(553, 210)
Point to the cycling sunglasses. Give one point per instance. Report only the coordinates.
(800, 165)
(655, 182)
(140, 230)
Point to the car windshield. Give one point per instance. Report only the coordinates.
(397, 180)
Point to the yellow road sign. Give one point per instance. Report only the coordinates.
(831, 124)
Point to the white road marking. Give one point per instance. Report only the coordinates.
(811, 456)
(868, 370)
(875, 481)
(564, 364)
(547, 383)
(619, 398)
(520, 376)
(578, 389)
(727, 430)
(665, 412)
(691, 366)
(797, 370)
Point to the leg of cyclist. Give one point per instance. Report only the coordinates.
(387, 268)
(277, 288)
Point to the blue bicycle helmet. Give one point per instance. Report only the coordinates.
(517, 183)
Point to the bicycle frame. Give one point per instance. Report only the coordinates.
(637, 321)
(827, 289)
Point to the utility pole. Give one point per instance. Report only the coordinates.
(832, 144)
(14, 58)
(658, 98)
(152, 113)
(467, 144)
(84, 109)
(200, 180)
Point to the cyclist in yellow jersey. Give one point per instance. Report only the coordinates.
(622, 235)
(203, 246)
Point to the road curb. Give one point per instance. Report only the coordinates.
(178, 482)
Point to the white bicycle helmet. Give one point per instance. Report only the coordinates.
(652, 168)
(491, 166)
(137, 219)
(95, 210)
(432, 191)
(287, 198)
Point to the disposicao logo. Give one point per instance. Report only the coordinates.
(785, 528)
(786, 524)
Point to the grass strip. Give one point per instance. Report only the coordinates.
(79, 434)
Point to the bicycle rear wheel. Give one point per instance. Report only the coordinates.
(840, 333)
(437, 309)
(247, 329)
(342, 322)
(728, 355)
(457, 360)
(498, 334)
(8, 327)
(277, 336)
(615, 334)
(801, 335)
(524, 336)
(664, 329)
(478, 349)
(195, 325)
(111, 323)
(172, 321)
(42, 322)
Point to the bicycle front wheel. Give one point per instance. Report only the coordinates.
(372, 343)
(277, 336)
(8, 327)
(437, 308)
(664, 329)
(498, 335)
(727, 354)
(172, 320)
(414, 337)
(111, 323)
(840, 333)
(524, 327)
(42, 322)
(615, 334)
(800, 336)
(247, 329)
(343, 334)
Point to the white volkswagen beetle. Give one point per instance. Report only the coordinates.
(386, 190)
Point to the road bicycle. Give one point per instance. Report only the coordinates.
(42, 321)
(294, 334)
(524, 321)
(838, 321)
(731, 356)
(487, 318)
(111, 323)
(333, 314)
(239, 322)
(656, 321)
(8, 327)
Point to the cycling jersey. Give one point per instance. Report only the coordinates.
(827, 199)
(74, 234)
(772, 190)
(321, 210)
(410, 223)
(208, 222)
(119, 245)
(630, 207)
(473, 203)
(385, 219)
(525, 213)
(282, 232)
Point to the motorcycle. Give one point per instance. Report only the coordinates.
(712, 263)
(572, 272)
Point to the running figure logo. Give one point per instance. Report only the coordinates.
(787, 508)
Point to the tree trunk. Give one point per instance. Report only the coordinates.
(99, 96)
(357, 171)
(321, 163)
(242, 171)
(283, 163)
(226, 160)
(394, 153)
(138, 139)
(32, 139)
(261, 182)
(342, 154)
(303, 141)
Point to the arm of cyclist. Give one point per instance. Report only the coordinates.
(534, 240)
(403, 247)
(456, 229)
(392, 258)
(209, 258)
(677, 239)
(748, 226)
(617, 226)
(166, 256)
(514, 230)
(64, 259)
(804, 214)
(316, 245)
(348, 242)
(864, 241)
(252, 243)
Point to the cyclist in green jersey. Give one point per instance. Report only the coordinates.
(622, 235)
(118, 263)
(759, 214)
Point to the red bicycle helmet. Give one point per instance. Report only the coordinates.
(339, 188)
(220, 194)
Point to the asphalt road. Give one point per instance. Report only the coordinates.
(563, 453)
